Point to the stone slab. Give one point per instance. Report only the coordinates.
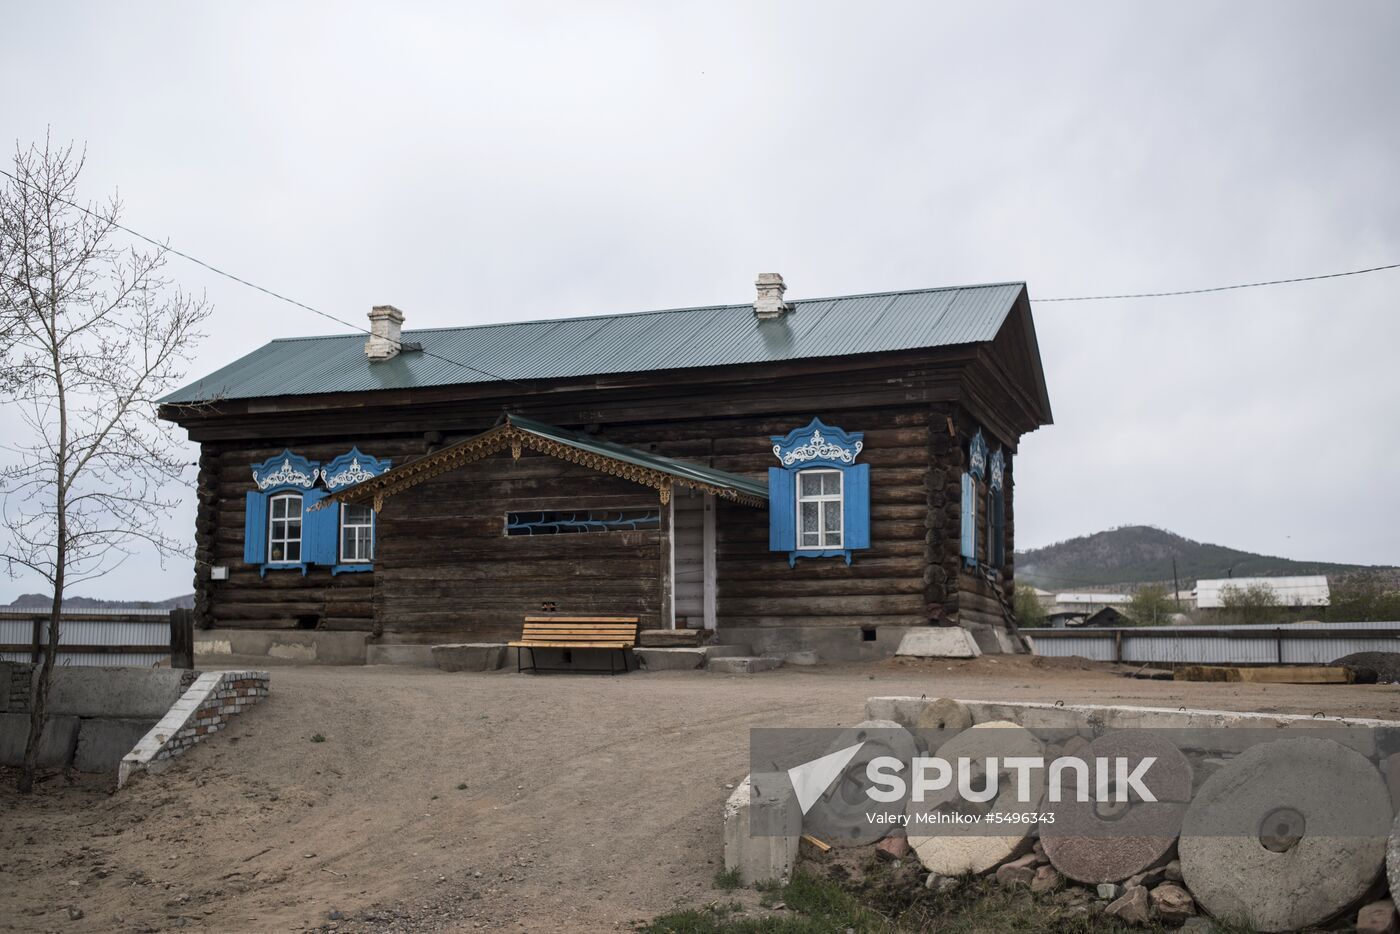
(102, 743)
(725, 651)
(744, 664)
(470, 656)
(670, 659)
(939, 642)
(56, 745)
(800, 658)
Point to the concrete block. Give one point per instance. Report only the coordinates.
(102, 742)
(56, 745)
(135, 693)
(670, 659)
(470, 656)
(744, 664)
(902, 710)
(800, 658)
(420, 656)
(762, 829)
(939, 642)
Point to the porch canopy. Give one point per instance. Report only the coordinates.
(519, 433)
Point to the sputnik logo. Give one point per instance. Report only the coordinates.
(810, 780)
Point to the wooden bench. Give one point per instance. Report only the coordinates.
(613, 633)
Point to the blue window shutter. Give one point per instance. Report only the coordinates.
(969, 518)
(319, 530)
(856, 506)
(782, 510)
(255, 529)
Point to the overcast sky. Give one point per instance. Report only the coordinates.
(493, 162)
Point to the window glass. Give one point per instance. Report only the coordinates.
(284, 529)
(356, 534)
(819, 507)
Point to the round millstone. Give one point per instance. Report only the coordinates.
(1392, 861)
(953, 849)
(842, 816)
(1277, 836)
(1094, 842)
(940, 721)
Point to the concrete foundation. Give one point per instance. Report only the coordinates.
(419, 656)
(470, 656)
(312, 646)
(938, 642)
(762, 830)
(833, 644)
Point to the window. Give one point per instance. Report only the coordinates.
(819, 509)
(587, 520)
(284, 529)
(356, 534)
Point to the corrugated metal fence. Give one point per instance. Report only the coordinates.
(95, 637)
(1288, 644)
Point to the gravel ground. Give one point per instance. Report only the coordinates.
(1386, 665)
(588, 802)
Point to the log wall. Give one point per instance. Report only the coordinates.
(446, 572)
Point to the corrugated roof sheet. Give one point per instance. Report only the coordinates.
(652, 340)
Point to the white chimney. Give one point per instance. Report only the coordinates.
(385, 324)
(769, 303)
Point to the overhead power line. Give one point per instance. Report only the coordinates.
(1219, 288)
(496, 376)
(253, 285)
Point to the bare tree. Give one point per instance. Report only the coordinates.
(91, 335)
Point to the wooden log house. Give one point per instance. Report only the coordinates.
(817, 474)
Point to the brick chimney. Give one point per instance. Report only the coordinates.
(769, 304)
(385, 324)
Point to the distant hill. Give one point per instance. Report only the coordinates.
(39, 601)
(1141, 554)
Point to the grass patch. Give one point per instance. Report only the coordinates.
(727, 880)
(317, 738)
(814, 906)
(886, 901)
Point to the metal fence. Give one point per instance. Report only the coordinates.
(1288, 644)
(134, 638)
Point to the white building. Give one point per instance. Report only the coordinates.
(1288, 591)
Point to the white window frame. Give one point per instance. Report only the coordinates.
(839, 497)
(340, 538)
(273, 541)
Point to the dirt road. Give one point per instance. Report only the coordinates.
(589, 802)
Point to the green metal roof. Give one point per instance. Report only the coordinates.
(682, 470)
(718, 335)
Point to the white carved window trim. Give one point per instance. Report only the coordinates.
(293, 516)
(346, 524)
(838, 497)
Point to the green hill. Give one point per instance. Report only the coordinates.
(1141, 554)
